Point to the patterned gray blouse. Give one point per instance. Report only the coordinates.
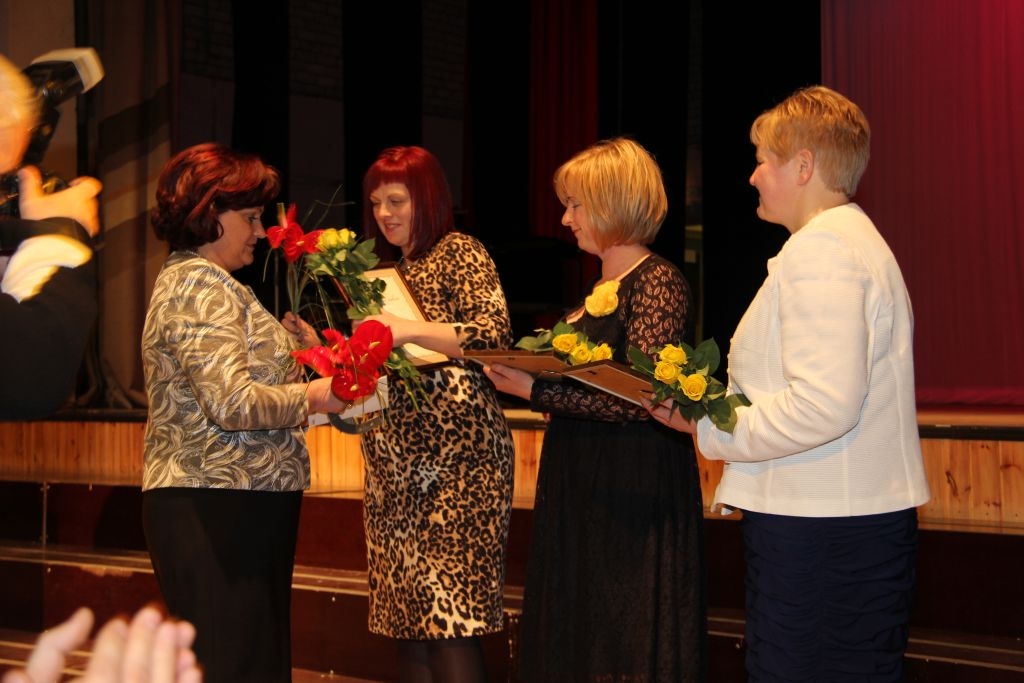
(224, 408)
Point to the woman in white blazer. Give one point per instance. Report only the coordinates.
(825, 464)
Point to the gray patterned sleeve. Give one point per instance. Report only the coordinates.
(223, 340)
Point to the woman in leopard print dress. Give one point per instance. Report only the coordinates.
(438, 494)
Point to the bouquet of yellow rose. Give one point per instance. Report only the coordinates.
(567, 343)
(683, 373)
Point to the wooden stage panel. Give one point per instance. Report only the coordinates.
(974, 461)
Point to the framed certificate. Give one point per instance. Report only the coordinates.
(400, 301)
(533, 362)
(613, 378)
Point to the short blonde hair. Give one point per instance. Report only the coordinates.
(620, 184)
(828, 124)
(19, 103)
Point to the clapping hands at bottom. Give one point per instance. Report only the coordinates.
(150, 649)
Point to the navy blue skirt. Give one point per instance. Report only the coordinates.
(828, 599)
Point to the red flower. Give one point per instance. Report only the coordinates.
(354, 363)
(319, 358)
(372, 342)
(350, 384)
(289, 233)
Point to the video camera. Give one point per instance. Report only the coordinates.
(57, 76)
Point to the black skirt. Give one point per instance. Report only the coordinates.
(224, 560)
(828, 599)
(615, 584)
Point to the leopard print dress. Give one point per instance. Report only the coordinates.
(438, 493)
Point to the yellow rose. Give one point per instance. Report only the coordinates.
(602, 352)
(329, 239)
(673, 354)
(564, 343)
(694, 386)
(603, 300)
(347, 237)
(332, 238)
(666, 372)
(580, 354)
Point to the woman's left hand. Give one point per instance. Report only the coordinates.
(402, 329)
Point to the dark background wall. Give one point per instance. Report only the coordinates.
(754, 56)
(319, 87)
(686, 80)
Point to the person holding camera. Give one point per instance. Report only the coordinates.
(47, 273)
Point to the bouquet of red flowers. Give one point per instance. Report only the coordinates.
(335, 254)
(354, 363)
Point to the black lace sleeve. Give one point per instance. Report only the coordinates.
(654, 309)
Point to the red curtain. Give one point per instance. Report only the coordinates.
(563, 100)
(942, 84)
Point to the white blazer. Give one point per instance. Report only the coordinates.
(824, 352)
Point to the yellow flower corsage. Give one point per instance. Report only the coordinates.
(603, 300)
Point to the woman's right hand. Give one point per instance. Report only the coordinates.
(510, 380)
(665, 414)
(322, 399)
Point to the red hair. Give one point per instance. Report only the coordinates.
(203, 181)
(422, 175)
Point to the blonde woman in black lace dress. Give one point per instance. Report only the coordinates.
(615, 578)
(438, 494)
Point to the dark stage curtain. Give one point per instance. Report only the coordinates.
(942, 83)
(132, 128)
(748, 68)
(600, 70)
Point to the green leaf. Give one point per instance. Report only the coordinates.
(723, 411)
(541, 342)
(640, 360)
(737, 400)
(706, 356)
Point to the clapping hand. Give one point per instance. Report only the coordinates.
(150, 649)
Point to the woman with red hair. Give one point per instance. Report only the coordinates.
(224, 458)
(438, 493)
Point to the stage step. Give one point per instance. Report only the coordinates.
(15, 647)
(329, 607)
(332, 643)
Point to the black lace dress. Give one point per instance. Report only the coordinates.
(615, 586)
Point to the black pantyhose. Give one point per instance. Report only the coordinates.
(456, 660)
